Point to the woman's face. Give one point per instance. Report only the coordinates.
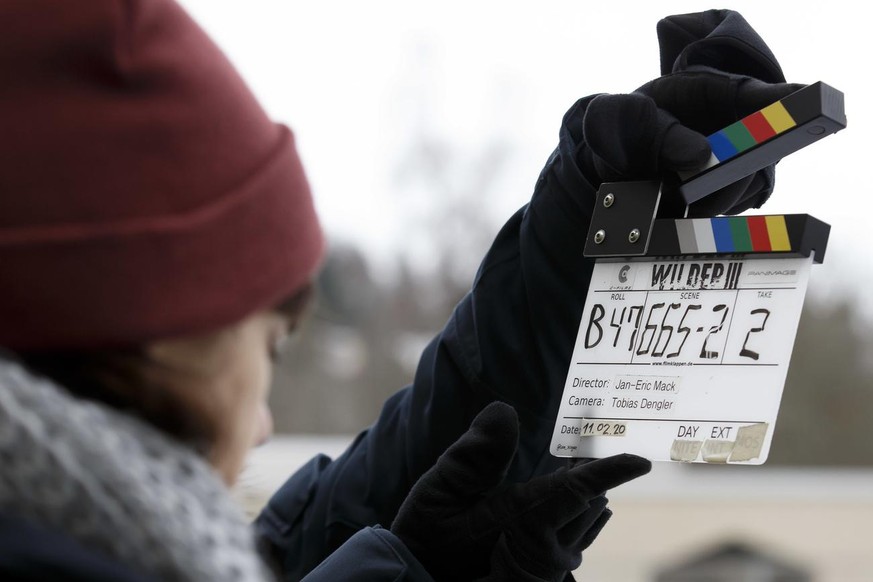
(225, 376)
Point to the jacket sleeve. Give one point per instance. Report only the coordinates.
(509, 339)
(31, 552)
(371, 555)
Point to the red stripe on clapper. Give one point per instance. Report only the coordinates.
(759, 127)
(758, 232)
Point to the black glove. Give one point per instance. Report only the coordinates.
(721, 39)
(546, 542)
(717, 70)
(708, 100)
(455, 514)
(661, 128)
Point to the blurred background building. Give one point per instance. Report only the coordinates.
(423, 126)
(681, 523)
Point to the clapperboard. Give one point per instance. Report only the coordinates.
(688, 326)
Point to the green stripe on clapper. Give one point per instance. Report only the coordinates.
(740, 234)
(739, 136)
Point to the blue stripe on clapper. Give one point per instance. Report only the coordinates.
(721, 146)
(721, 231)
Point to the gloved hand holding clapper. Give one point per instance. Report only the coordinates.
(686, 335)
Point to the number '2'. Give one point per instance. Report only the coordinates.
(712, 354)
(745, 352)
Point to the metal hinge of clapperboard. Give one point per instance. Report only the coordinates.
(630, 219)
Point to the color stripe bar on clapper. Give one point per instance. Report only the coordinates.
(735, 234)
(749, 132)
(765, 137)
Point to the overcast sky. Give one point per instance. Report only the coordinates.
(355, 79)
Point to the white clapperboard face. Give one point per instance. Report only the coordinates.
(682, 360)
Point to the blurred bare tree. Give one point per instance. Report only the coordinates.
(364, 338)
(826, 417)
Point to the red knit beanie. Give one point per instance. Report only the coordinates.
(144, 193)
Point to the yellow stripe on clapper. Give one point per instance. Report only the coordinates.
(778, 117)
(778, 233)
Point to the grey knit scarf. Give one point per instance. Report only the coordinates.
(117, 485)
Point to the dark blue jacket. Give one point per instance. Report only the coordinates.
(509, 339)
(29, 552)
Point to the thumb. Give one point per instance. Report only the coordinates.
(479, 459)
(631, 137)
(683, 149)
